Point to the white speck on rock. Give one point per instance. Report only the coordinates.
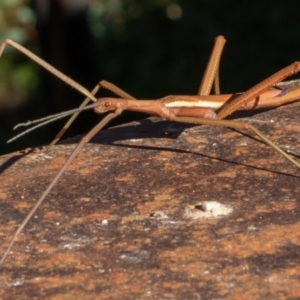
(159, 215)
(207, 210)
(74, 242)
(104, 222)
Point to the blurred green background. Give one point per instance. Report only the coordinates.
(149, 48)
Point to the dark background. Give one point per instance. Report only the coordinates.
(149, 48)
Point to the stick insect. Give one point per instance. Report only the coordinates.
(201, 109)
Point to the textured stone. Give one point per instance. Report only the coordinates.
(115, 226)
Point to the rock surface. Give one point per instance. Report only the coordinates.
(121, 224)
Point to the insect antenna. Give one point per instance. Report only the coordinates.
(46, 120)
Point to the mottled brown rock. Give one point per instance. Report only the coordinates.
(118, 224)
